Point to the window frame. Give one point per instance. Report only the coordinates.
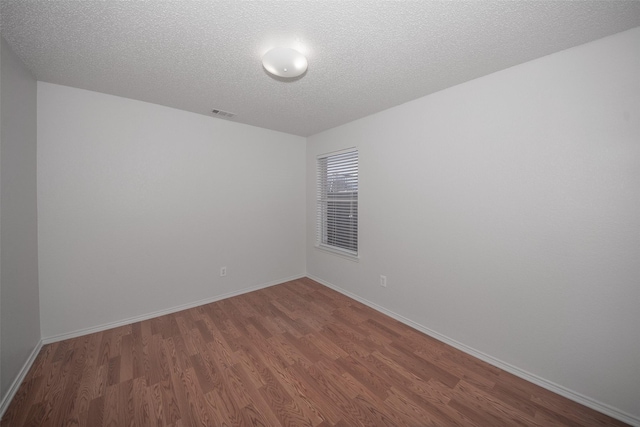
(322, 184)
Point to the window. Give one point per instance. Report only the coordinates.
(337, 194)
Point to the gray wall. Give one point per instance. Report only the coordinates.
(505, 213)
(139, 206)
(19, 312)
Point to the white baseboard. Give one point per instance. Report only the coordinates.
(549, 385)
(15, 385)
(147, 316)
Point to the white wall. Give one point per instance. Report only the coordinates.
(140, 205)
(19, 312)
(505, 213)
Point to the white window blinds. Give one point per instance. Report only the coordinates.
(337, 189)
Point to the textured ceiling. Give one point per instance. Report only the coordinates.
(364, 56)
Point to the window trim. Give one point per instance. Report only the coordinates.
(338, 252)
(335, 250)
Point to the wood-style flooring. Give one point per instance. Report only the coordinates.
(295, 354)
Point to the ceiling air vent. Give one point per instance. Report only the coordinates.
(223, 114)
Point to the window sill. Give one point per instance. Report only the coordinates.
(338, 252)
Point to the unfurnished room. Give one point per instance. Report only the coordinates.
(319, 213)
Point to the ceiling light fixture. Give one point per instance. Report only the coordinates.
(284, 62)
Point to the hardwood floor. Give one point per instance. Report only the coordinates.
(295, 354)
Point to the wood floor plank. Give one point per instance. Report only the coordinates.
(98, 381)
(414, 415)
(258, 401)
(294, 354)
(24, 399)
(126, 411)
(95, 415)
(142, 409)
(169, 401)
(157, 406)
(110, 409)
(335, 395)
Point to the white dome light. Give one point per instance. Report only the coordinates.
(284, 62)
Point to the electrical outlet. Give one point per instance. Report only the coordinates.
(383, 281)
(223, 271)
